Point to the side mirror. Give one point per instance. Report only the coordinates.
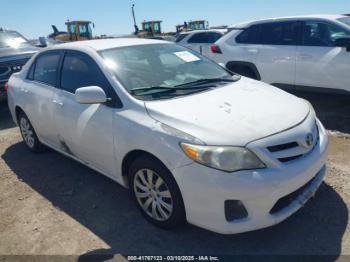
(343, 42)
(43, 41)
(90, 95)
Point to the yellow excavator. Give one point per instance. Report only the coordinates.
(150, 29)
(78, 30)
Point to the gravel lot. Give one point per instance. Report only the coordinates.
(50, 204)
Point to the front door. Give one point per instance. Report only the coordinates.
(86, 132)
(319, 62)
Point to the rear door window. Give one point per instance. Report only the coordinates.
(46, 68)
(282, 33)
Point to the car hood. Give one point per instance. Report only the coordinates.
(235, 114)
(9, 54)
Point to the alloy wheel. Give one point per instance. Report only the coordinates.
(27, 132)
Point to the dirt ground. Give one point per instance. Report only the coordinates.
(50, 204)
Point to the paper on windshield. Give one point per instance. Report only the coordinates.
(187, 56)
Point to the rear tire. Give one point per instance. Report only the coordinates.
(28, 134)
(156, 193)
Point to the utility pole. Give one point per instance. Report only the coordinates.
(133, 15)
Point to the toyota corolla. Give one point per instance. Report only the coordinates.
(190, 140)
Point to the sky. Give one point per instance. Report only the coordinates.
(33, 18)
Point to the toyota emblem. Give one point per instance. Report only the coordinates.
(309, 140)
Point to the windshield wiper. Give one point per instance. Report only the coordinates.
(153, 90)
(184, 86)
(205, 81)
(134, 91)
(198, 84)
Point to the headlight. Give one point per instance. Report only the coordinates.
(228, 159)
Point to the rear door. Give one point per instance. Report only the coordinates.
(319, 62)
(40, 92)
(276, 53)
(86, 129)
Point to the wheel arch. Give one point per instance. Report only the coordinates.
(244, 65)
(130, 157)
(18, 110)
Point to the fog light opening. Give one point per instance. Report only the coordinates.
(234, 209)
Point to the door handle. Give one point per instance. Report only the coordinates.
(253, 50)
(305, 56)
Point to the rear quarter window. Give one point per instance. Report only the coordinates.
(30, 74)
(199, 38)
(214, 36)
(180, 37)
(250, 35)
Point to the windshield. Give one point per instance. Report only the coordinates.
(12, 39)
(85, 30)
(345, 20)
(162, 68)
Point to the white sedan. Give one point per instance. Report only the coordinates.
(189, 139)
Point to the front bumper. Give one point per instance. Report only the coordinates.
(205, 191)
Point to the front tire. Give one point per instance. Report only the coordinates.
(28, 134)
(156, 193)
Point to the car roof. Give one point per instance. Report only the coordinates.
(287, 18)
(204, 30)
(102, 44)
(8, 31)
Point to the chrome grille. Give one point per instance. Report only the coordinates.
(282, 147)
(294, 150)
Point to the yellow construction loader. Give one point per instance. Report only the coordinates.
(78, 30)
